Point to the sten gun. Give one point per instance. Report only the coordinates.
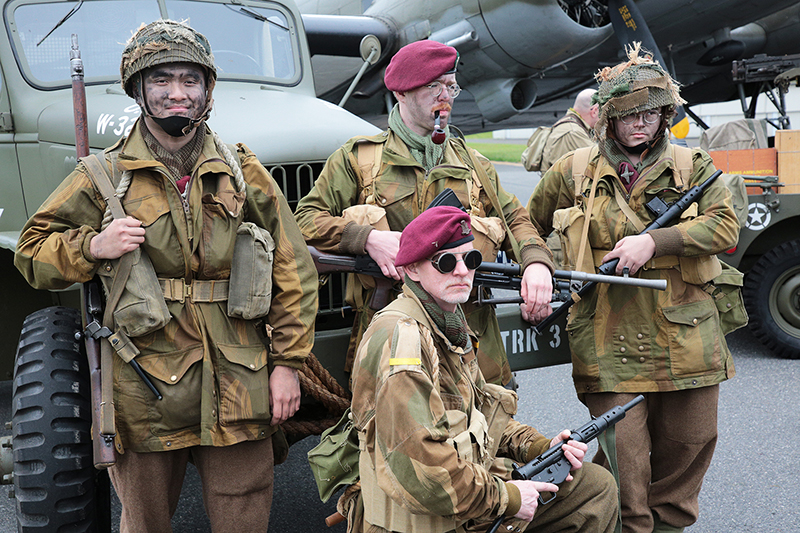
(488, 275)
(552, 466)
(667, 214)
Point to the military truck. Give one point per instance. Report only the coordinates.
(264, 97)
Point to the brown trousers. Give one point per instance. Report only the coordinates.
(236, 480)
(587, 503)
(664, 448)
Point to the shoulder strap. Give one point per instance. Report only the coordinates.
(684, 165)
(369, 157)
(580, 164)
(486, 183)
(569, 118)
(98, 173)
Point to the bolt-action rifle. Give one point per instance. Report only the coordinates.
(665, 216)
(488, 275)
(552, 466)
(103, 450)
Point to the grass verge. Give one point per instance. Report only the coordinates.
(498, 152)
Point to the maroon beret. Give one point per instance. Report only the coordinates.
(437, 228)
(418, 64)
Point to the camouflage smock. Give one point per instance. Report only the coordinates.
(404, 189)
(625, 339)
(569, 133)
(211, 369)
(413, 394)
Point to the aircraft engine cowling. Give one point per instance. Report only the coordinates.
(533, 34)
(499, 99)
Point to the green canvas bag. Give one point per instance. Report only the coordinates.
(334, 461)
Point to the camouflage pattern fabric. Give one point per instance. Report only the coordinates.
(211, 369)
(625, 339)
(415, 447)
(404, 189)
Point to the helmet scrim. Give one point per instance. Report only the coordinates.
(637, 85)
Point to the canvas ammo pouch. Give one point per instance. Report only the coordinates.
(250, 289)
(568, 225)
(334, 461)
(489, 235)
(726, 290)
(141, 308)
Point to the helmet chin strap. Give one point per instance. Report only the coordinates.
(639, 148)
(174, 126)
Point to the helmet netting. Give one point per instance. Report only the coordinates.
(634, 86)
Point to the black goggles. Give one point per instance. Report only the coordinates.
(446, 262)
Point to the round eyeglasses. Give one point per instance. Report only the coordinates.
(446, 262)
(651, 116)
(436, 89)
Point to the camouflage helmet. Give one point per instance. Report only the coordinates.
(165, 41)
(637, 85)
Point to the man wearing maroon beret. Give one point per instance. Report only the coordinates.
(372, 187)
(436, 449)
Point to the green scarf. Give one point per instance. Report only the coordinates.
(613, 153)
(452, 325)
(425, 151)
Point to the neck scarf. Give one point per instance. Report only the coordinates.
(452, 325)
(619, 160)
(180, 163)
(425, 151)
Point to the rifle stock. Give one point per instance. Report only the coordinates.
(672, 213)
(552, 467)
(361, 264)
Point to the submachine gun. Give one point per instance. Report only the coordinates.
(552, 466)
(665, 216)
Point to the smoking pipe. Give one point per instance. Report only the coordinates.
(438, 136)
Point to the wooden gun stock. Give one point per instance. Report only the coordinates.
(362, 264)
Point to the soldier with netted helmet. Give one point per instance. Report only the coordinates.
(625, 341)
(215, 226)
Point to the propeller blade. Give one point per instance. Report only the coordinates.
(629, 26)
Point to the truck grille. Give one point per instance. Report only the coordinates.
(296, 180)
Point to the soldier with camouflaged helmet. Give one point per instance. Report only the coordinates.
(437, 442)
(372, 187)
(624, 341)
(227, 374)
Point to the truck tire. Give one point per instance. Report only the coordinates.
(54, 476)
(772, 299)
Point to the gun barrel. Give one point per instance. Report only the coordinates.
(658, 284)
(627, 407)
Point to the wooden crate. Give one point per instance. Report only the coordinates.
(787, 144)
(748, 163)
